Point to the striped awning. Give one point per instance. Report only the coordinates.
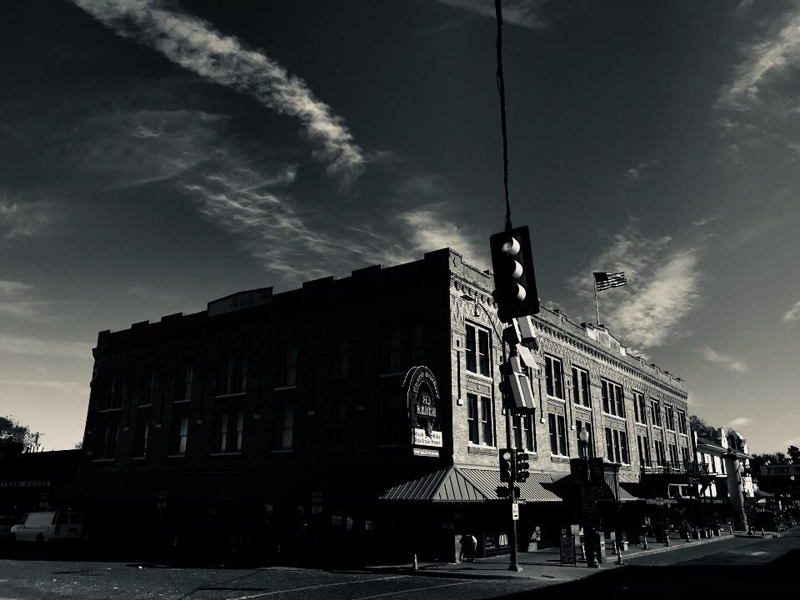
(462, 484)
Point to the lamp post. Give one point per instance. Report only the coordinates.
(512, 530)
(588, 525)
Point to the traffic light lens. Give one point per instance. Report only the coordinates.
(511, 247)
(506, 455)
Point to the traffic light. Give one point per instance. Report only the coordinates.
(523, 466)
(514, 279)
(507, 464)
(503, 492)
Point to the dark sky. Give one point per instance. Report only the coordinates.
(157, 155)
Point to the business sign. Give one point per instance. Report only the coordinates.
(25, 484)
(568, 550)
(421, 394)
(426, 452)
(780, 470)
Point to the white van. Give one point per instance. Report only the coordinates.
(49, 526)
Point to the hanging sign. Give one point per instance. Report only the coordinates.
(421, 394)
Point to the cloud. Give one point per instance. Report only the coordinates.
(795, 441)
(12, 344)
(524, 13)
(20, 218)
(763, 60)
(703, 221)
(636, 173)
(12, 288)
(663, 282)
(429, 229)
(734, 364)
(194, 44)
(793, 314)
(740, 422)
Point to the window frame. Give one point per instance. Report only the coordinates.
(478, 350)
(553, 383)
(559, 443)
(232, 374)
(655, 412)
(581, 395)
(613, 398)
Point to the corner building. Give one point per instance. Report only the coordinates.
(296, 423)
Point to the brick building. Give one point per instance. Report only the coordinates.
(286, 422)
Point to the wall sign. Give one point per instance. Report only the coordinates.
(421, 394)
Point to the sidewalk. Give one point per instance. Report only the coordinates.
(544, 564)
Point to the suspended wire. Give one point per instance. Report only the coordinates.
(501, 88)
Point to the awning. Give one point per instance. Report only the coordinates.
(625, 494)
(460, 484)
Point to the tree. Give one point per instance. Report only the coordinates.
(794, 454)
(703, 429)
(13, 431)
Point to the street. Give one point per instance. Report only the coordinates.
(737, 566)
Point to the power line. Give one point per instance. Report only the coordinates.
(501, 88)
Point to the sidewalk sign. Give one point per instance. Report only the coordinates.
(568, 550)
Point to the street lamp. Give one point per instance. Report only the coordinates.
(512, 537)
(588, 525)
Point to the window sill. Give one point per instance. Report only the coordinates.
(103, 460)
(686, 435)
(480, 376)
(583, 406)
(139, 458)
(559, 458)
(282, 451)
(148, 405)
(176, 456)
(233, 395)
(283, 388)
(395, 374)
(109, 410)
(483, 450)
(656, 426)
(555, 398)
(184, 401)
(640, 424)
(613, 416)
(235, 453)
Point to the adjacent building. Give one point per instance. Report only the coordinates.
(361, 413)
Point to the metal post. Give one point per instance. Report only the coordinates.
(512, 532)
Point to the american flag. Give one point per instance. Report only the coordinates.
(603, 281)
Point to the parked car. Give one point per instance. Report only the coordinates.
(6, 523)
(49, 526)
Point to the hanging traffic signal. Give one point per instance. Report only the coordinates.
(514, 279)
(522, 466)
(507, 464)
(504, 492)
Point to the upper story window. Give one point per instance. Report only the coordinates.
(660, 457)
(554, 377)
(179, 437)
(186, 382)
(580, 426)
(685, 453)
(639, 408)
(287, 368)
(479, 420)
(284, 435)
(230, 430)
(341, 356)
(404, 348)
(339, 424)
(478, 350)
(682, 422)
(655, 412)
(580, 387)
(617, 446)
(523, 432)
(112, 394)
(644, 450)
(106, 444)
(233, 374)
(613, 402)
(673, 454)
(669, 413)
(142, 433)
(558, 435)
(148, 387)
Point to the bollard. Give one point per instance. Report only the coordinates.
(666, 537)
(619, 554)
(416, 564)
(644, 547)
(762, 532)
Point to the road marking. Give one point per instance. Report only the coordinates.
(419, 589)
(316, 587)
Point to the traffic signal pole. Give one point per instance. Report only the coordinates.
(512, 530)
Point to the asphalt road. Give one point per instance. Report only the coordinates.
(735, 568)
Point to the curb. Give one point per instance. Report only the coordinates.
(423, 572)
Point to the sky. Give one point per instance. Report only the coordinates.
(157, 155)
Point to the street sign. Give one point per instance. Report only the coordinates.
(162, 504)
(515, 511)
(316, 510)
(780, 470)
(316, 497)
(162, 494)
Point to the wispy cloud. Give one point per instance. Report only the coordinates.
(13, 344)
(430, 228)
(732, 363)
(525, 13)
(12, 288)
(793, 314)
(663, 286)
(740, 422)
(639, 170)
(769, 57)
(20, 218)
(195, 45)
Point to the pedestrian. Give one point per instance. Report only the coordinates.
(468, 546)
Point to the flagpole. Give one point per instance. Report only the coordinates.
(596, 305)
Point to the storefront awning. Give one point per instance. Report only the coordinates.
(459, 484)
